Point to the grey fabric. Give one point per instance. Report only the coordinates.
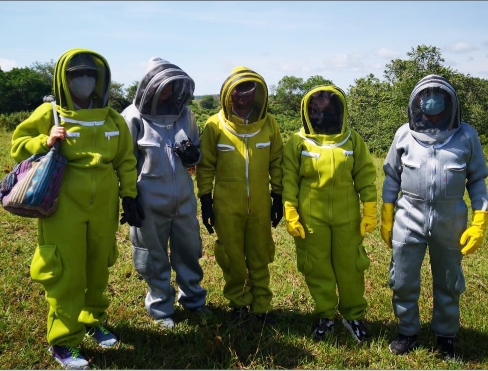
(426, 177)
(166, 193)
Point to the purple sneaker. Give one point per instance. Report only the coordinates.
(69, 357)
(102, 336)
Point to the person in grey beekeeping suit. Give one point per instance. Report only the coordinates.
(432, 160)
(166, 143)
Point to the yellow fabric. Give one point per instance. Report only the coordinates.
(293, 226)
(368, 222)
(472, 238)
(240, 163)
(387, 213)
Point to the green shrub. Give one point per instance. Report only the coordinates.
(10, 121)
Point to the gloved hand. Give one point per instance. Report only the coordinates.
(276, 209)
(368, 222)
(387, 213)
(208, 216)
(187, 151)
(133, 213)
(293, 226)
(474, 234)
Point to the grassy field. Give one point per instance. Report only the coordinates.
(219, 343)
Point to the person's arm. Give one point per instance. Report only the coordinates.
(275, 160)
(30, 136)
(206, 168)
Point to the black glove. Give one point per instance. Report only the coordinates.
(187, 151)
(208, 216)
(276, 209)
(133, 212)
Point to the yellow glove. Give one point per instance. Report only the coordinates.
(474, 234)
(387, 213)
(293, 226)
(368, 223)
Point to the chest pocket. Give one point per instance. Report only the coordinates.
(309, 164)
(411, 178)
(454, 180)
(259, 157)
(226, 163)
(111, 143)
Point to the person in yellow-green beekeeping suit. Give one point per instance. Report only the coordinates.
(242, 152)
(327, 171)
(76, 244)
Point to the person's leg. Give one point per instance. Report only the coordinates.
(185, 252)
(349, 261)
(229, 254)
(259, 251)
(314, 261)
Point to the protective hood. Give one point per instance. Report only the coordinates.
(433, 98)
(158, 75)
(238, 76)
(323, 112)
(91, 60)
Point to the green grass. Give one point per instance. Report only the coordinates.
(220, 344)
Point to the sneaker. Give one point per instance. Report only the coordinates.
(446, 346)
(267, 318)
(357, 329)
(202, 311)
(69, 357)
(102, 336)
(239, 313)
(166, 323)
(324, 327)
(403, 344)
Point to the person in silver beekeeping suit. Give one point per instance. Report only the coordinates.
(166, 143)
(432, 160)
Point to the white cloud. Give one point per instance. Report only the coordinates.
(7, 65)
(459, 48)
(389, 54)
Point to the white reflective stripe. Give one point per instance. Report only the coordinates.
(148, 144)
(333, 145)
(263, 145)
(456, 167)
(109, 134)
(348, 153)
(311, 154)
(250, 135)
(225, 147)
(73, 135)
(83, 123)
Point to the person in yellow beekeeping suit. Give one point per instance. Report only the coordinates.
(327, 170)
(242, 152)
(76, 244)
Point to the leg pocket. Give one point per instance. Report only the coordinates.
(46, 266)
(140, 257)
(362, 260)
(304, 263)
(221, 256)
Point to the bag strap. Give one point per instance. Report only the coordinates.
(52, 100)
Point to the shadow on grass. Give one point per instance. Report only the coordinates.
(248, 344)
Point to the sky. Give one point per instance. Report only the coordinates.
(339, 40)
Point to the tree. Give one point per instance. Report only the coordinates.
(116, 97)
(208, 102)
(45, 70)
(22, 90)
(130, 92)
(290, 91)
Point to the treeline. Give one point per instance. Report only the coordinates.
(377, 106)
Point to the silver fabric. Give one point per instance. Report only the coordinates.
(166, 193)
(426, 177)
